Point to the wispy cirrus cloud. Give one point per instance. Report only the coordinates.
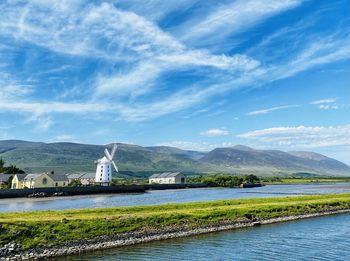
(129, 39)
(135, 53)
(270, 110)
(234, 17)
(323, 101)
(326, 104)
(300, 137)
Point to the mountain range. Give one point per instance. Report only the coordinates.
(134, 160)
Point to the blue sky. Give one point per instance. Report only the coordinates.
(187, 73)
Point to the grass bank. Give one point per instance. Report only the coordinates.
(52, 228)
(290, 181)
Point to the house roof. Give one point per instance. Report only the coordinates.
(88, 176)
(56, 177)
(81, 176)
(165, 175)
(21, 176)
(5, 177)
(75, 175)
(31, 176)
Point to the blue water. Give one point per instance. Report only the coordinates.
(166, 196)
(322, 238)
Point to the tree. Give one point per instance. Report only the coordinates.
(251, 179)
(2, 164)
(12, 169)
(9, 182)
(75, 183)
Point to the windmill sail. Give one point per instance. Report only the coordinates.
(108, 156)
(114, 149)
(115, 166)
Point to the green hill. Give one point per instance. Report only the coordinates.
(141, 161)
(70, 157)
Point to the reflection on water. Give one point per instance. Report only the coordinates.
(322, 238)
(166, 196)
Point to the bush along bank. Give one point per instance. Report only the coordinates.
(224, 180)
(54, 233)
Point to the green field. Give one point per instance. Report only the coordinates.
(48, 228)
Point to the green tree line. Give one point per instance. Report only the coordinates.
(224, 180)
(12, 169)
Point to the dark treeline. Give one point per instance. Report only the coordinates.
(223, 180)
(12, 169)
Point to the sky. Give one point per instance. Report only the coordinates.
(271, 74)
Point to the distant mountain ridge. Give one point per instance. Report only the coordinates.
(142, 161)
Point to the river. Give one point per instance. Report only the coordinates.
(166, 196)
(321, 238)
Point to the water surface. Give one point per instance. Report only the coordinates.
(321, 238)
(166, 196)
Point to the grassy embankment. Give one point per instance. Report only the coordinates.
(48, 228)
(279, 181)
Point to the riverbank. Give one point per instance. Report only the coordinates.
(54, 233)
(300, 181)
(92, 190)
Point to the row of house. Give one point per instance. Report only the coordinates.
(43, 180)
(46, 180)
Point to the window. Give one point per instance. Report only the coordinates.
(64, 183)
(44, 181)
(56, 184)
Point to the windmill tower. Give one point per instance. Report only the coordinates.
(104, 167)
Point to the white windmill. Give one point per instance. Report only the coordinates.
(104, 167)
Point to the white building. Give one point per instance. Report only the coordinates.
(84, 178)
(103, 172)
(104, 167)
(167, 178)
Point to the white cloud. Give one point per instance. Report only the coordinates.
(12, 91)
(300, 137)
(323, 101)
(196, 146)
(127, 38)
(215, 133)
(235, 17)
(64, 138)
(41, 121)
(329, 107)
(266, 111)
(326, 104)
(156, 9)
(41, 108)
(77, 27)
(319, 51)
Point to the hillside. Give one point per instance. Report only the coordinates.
(70, 157)
(245, 158)
(141, 161)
